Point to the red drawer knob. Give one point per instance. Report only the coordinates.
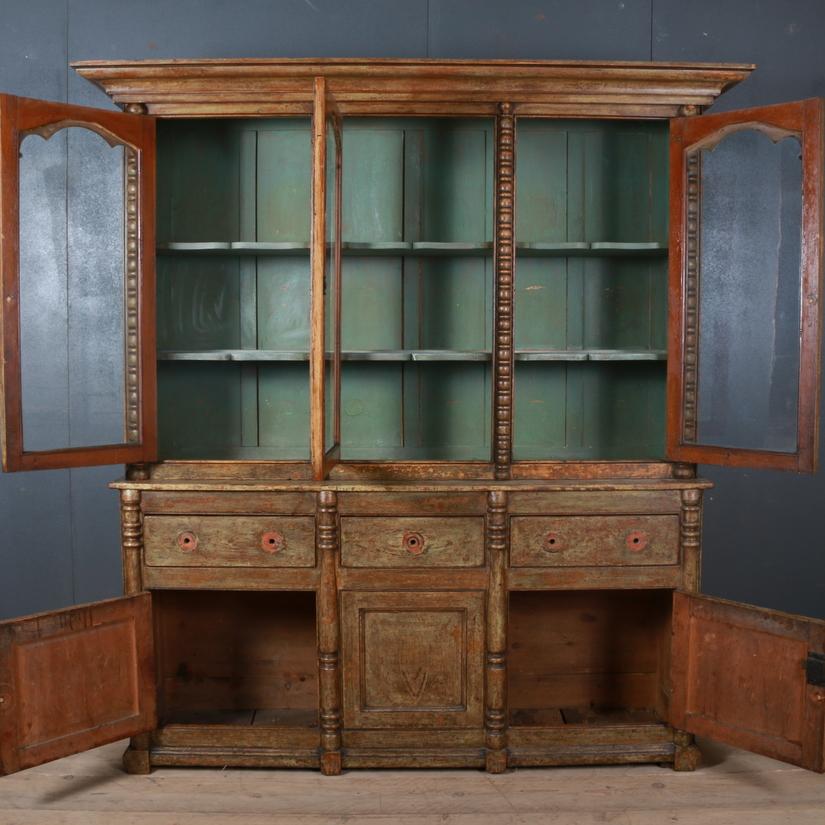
(273, 542)
(187, 541)
(414, 543)
(637, 540)
(553, 543)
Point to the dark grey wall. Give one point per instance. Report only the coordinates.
(764, 532)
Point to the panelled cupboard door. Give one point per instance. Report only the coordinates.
(77, 337)
(745, 282)
(325, 292)
(75, 679)
(749, 677)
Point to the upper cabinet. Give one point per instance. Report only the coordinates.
(745, 282)
(78, 290)
(411, 261)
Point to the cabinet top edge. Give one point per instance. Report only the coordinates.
(407, 62)
(422, 86)
(619, 485)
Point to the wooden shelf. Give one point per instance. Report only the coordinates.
(417, 248)
(246, 355)
(416, 355)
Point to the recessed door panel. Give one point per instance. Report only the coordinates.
(413, 659)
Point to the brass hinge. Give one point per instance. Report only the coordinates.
(815, 669)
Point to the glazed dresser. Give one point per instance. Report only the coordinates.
(411, 363)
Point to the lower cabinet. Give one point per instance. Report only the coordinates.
(336, 630)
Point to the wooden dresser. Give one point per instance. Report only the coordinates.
(411, 363)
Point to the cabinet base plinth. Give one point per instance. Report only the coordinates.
(331, 763)
(136, 761)
(496, 761)
(687, 757)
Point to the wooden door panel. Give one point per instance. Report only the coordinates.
(413, 659)
(75, 679)
(741, 675)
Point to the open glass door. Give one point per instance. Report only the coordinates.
(78, 327)
(749, 677)
(745, 281)
(75, 679)
(325, 252)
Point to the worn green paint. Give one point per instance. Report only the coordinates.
(594, 182)
(413, 180)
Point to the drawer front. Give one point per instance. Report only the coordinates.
(226, 541)
(412, 542)
(582, 541)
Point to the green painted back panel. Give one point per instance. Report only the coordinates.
(284, 181)
(198, 303)
(412, 180)
(373, 183)
(200, 409)
(590, 181)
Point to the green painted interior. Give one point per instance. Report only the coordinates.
(590, 181)
(413, 181)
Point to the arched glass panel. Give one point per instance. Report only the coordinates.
(73, 290)
(749, 258)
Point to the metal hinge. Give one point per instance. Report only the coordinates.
(815, 669)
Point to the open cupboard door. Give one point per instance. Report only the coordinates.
(77, 328)
(749, 677)
(325, 294)
(745, 283)
(75, 679)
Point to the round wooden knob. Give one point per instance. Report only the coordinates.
(273, 542)
(637, 540)
(187, 541)
(553, 543)
(413, 543)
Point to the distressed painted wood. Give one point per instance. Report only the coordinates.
(495, 664)
(583, 541)
(228, 541)
(75, 679)
(413, 659)
(412, 541)
(182, 88)
(231, 651)
(329, 634)
(722, 652)
(304, 615)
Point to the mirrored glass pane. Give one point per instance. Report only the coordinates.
(749, 248)
(72, 290)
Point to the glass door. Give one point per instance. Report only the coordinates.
(745, 319)
(325, 289)
(78, 348)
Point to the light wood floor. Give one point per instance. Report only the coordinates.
(734, 788)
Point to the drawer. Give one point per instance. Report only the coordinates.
(229, 541)
(412, 542)
(582, 541)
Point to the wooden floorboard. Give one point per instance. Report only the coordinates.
(733, 787)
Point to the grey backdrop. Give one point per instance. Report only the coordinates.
(764, 532)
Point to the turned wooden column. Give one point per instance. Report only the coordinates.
(136, 757)
(328, 634)
(690, 529)
(131, 536)
(504, 255)
(687, 756)
(495, 710)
